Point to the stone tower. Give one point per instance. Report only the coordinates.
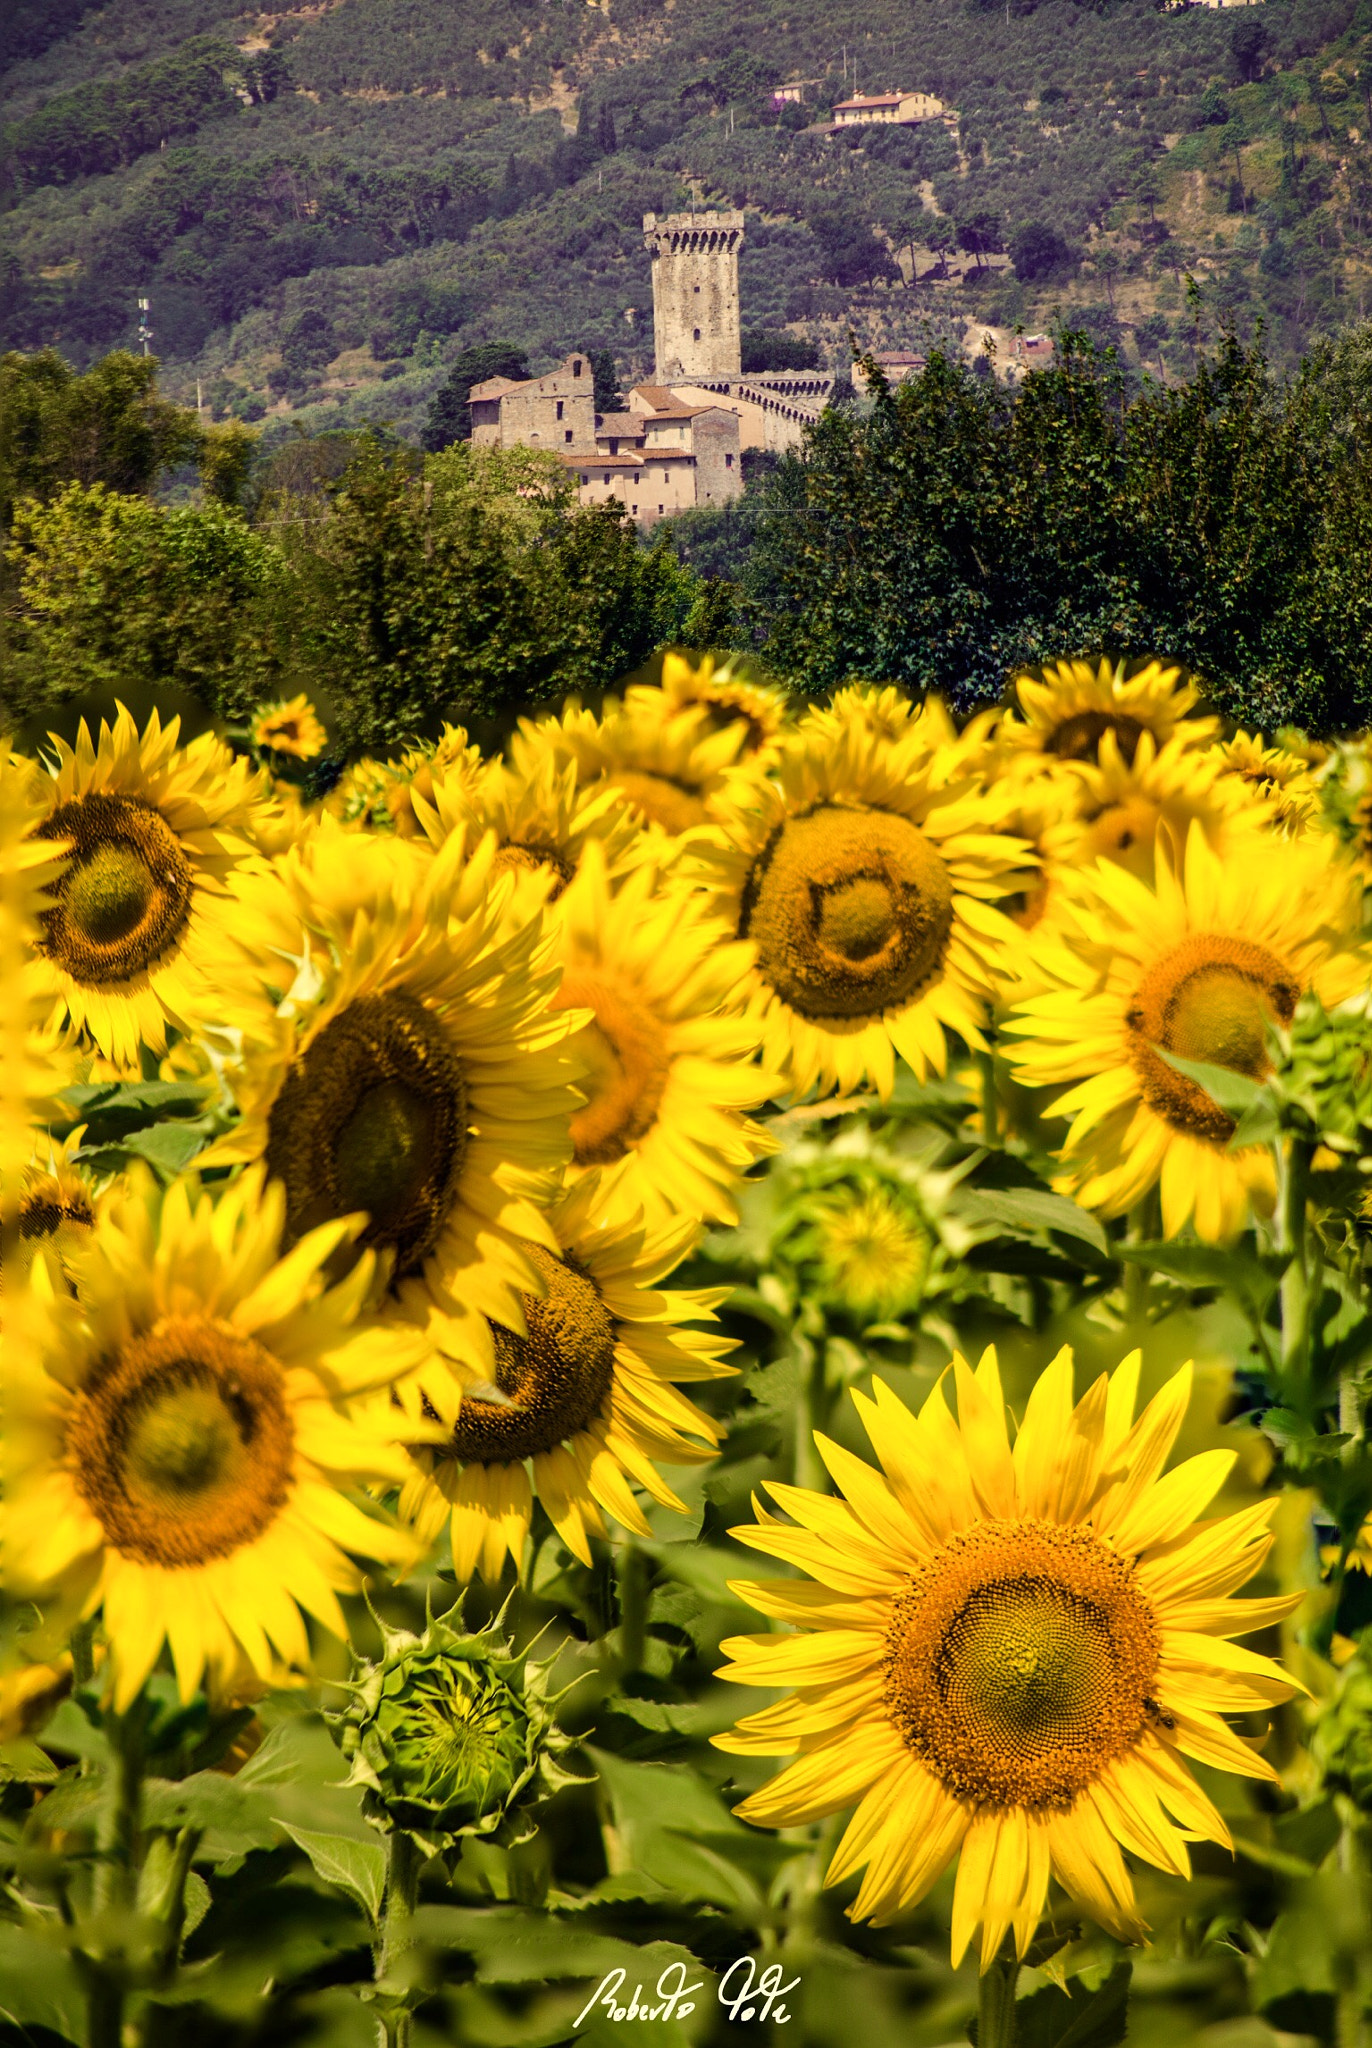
(695, 293)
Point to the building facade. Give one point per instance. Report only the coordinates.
(695, 293)
(662, 455)
(680, 442)
(904, 108)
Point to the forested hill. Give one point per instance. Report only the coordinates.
(324, 204)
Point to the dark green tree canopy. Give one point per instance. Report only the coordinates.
(1037, 250)
(763, 351)
(965, 529)
(450, 416)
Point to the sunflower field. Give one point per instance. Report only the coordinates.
(457, 1232)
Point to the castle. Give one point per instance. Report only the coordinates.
(681, 441)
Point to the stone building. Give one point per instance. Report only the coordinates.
(555, 412)
(904, 108)
(695, 283)
(681, 441)
(695, 293)
(663, 455)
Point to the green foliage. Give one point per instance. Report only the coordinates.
(115, 591)
(450, 416)
(762, 351)
(419, 596)
(107, 427)
(962, 530)
(102, 126)
(1037, 250)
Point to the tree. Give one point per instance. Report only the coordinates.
(476, 584)
(851, 252)
(763, 351)
(1036, 250)
(980, 235)
(1249, 40)
(108, 427)
(450, 416)
(605, 373)
(115, 592)
(963, 529)
(307, 342)
(941, 238)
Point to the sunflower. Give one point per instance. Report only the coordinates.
(1198, 966)
(410, 780)
(1007, 1652)
(292, 729)
(873, 1249)
(415, 1070)
(33, 1068)
(581, 1400)
(862, 877)
(543, 821)
(1284, 781)
(284, 817)
(56, 1210)
(691, 680)
(670, 769)
(1125, 809)
(134, 938)
(1067, 705)
(668, 1049)
(890, 712)
(179, 1439)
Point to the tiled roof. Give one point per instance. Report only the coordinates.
(595, 460)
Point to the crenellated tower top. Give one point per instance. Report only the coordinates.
(695, 293)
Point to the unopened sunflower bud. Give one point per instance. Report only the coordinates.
(451, 1734)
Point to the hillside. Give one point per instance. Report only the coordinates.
(325, 203)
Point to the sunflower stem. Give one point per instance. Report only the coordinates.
(990, 1102)
(397, 1938)
(996, 2015)
(812, 1413)
(1293, 1186)
(633, 1607)
(116, 1877)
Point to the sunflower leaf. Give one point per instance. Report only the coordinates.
(1033, 1209)
(1253, 1280)
(1237, 1094)
(1059, 2019)
(358, 1868)
(110, 1110)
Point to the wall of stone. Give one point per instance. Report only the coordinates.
(695, 293)
(719, 472)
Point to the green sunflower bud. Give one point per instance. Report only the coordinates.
(451, 1734)
(1342, 1743)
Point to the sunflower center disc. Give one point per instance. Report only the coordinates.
(850, 911)
(554, 1381)
(1210, 999)
(673, 805)
(1078, 738)
(1020, 1661)
(373, 1116)
(626, 1070)
(125, 896)
(182, 1446)
(533, 857)
(1124, 834)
